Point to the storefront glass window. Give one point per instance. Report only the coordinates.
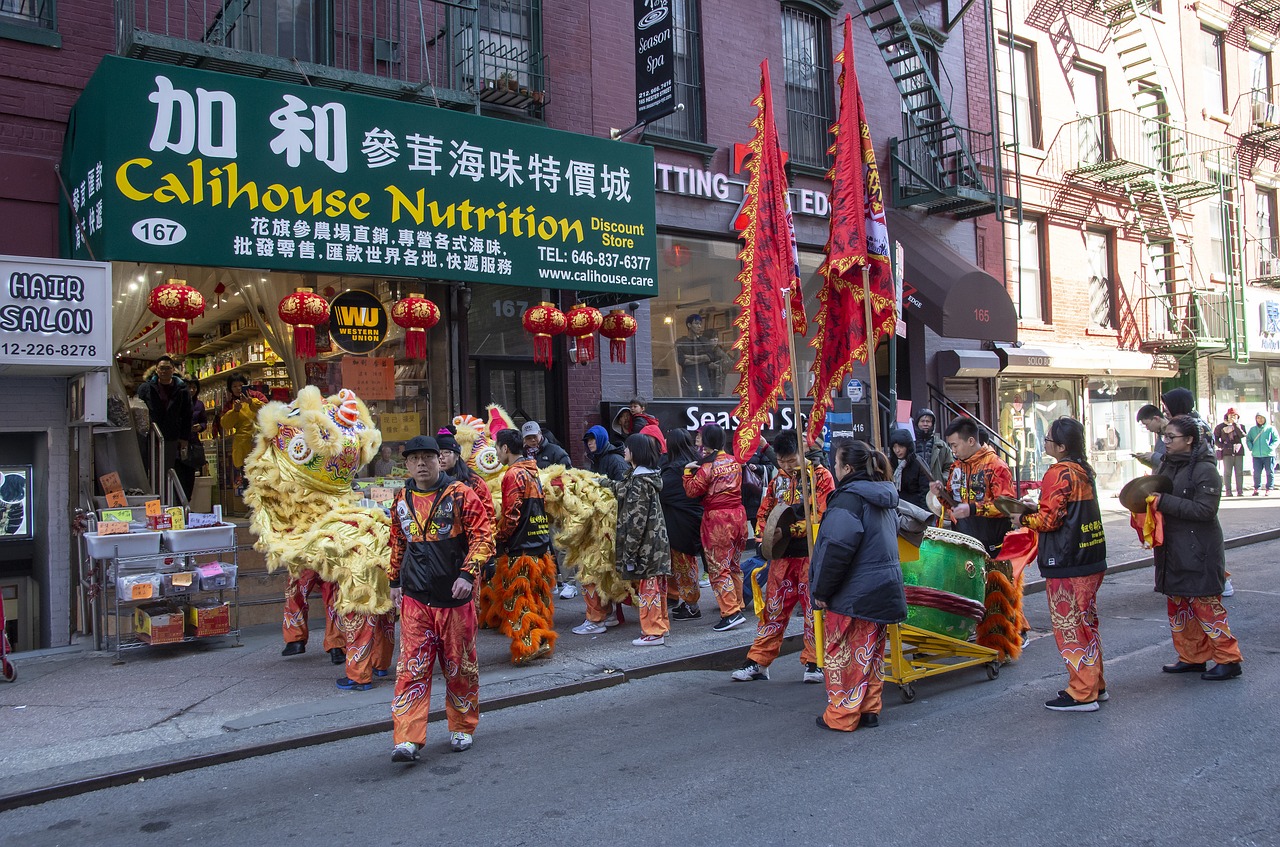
(1112, 429)
(698, 277)
(1242, 387)
(1027, 407)
(493, 320)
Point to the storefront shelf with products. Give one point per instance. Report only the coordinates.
(216, 344)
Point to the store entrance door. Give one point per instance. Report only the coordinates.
(523, 388)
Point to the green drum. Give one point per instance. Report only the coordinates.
(952, 562)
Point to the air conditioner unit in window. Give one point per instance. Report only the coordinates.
(1264, 113)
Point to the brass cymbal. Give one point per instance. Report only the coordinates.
(781, 518)
(1135, 492)
(1011, 506)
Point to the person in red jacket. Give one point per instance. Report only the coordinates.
(518, 599)
(788, 573)
(440, 539)
(716, 480)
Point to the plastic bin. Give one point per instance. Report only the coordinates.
(203, 538)
(142, 586)
(216, 576)
(128, 544)
(180, 583)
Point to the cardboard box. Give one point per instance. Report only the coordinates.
(158, 624)
(209, 620)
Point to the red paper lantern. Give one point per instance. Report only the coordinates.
(177, 303)
(678, 256)
(618, 326)
(416, 315)
(544, 321)
(304, 310)
(584, 323)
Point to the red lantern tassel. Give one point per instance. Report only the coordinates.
(304, 341)
(542, 350)
(586, 348)
(175, 337)
(618, 350)
(415, 343)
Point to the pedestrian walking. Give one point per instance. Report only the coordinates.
(642, 550)
(683, 515)
(1262, 439)
(1191, 562)
(856, 578)
(1229, 439)
(788, 582)
(716, 480)
(1072, 556)
(440, 539)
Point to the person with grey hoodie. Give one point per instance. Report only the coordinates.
(854, 575)
(930, 446)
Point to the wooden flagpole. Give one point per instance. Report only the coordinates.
(806, 482)
(871, 356)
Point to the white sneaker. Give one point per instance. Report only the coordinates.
(1228, 589)
(568, 591)
(750, 672)
(705, 582)
(460, 741)
(589, 628)
(405, 751)
(612, 621)
(813, 674)
(650, 641)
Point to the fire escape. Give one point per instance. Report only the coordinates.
(941, 167)
(1160, 169)
(1256, 125)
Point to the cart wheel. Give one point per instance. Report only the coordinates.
(993, 670)
(908, 692)
(10, 672)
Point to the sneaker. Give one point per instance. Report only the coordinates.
(337, 656)
(612, 621)
(728, 622)
(750, 672)
(589, 628)
(1103, 696)
(351, 685)
(405, 751)
(705, 581)
(813, 674)
(650, 641)
(1064, 703)
(1255, 492)
(1228, 589)
(685, 612)
(380, 673)
(568, 591)
(460, 742)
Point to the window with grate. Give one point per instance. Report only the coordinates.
(510, 37)
(37, 13)
(806, 68)
(1098, 254)
(689, 124)
(285, 28)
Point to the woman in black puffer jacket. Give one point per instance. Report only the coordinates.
(1191, 563)
(910, 473)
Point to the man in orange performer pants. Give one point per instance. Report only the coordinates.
(440, 539)
(295, 628)
(788, 573)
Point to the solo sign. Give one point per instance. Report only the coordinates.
(55, 315)
(357, 322)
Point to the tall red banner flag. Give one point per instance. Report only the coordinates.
(770, 265)
(858, 238)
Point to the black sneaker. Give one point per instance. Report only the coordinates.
(338, 656)
(685, 612)
(1064, 703)
(1103, 696)
(728, 622)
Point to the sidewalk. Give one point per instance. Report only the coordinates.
(74, 715)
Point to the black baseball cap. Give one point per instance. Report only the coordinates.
(421, 444)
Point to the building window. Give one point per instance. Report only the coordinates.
(1098, 253)
(285, 28)
(1213, 44)
(1267, 234)
(1089, 88)
(38, 13)
(688, 124)
(1017, 85)
(806, 68)
(1026, 265)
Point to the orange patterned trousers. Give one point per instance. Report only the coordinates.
(724, 533)
(428, 634)
(1073, 609)
(651, 596)
(295, 610)
(1200, 630)
(788, 584)
(369, 642)
(854, 669)
(683, 582)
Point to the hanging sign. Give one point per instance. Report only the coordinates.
(399, 426)
(55, 315)
(370, 379)
(655, 60)
(357, 323)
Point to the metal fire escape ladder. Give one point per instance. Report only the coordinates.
(946, 143)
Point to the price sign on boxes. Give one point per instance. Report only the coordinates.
(370, 378)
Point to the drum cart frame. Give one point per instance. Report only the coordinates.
(913, 653)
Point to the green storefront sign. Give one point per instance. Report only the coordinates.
(178, 166)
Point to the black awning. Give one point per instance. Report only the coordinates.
(953, 296)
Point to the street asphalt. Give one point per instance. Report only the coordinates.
(692, 758)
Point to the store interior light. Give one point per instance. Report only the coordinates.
(133, 286)
(668, 320)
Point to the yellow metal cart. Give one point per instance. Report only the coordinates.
(915, 653)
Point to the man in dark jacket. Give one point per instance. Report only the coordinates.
(541, 449)
(441, 537)
(605, 458)
(930, 446)
(855, 576)
(169, 404)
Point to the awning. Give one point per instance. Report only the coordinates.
(1069, 359)
(969, 363)
(953, 296)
